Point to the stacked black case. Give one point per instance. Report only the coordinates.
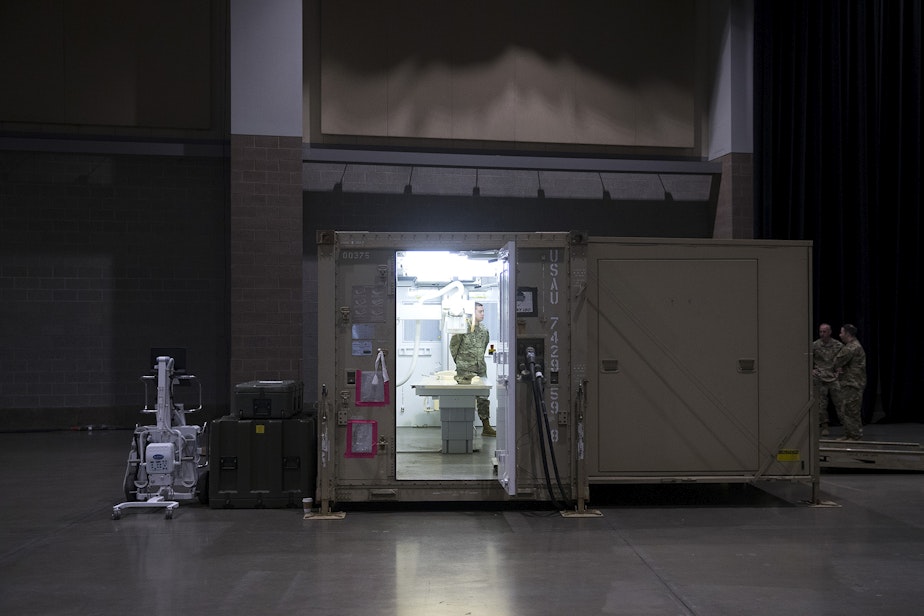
(263, 462)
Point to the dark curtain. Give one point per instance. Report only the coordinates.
(837, 160)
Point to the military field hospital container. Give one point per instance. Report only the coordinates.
(611, 360)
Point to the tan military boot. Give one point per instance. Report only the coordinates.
(487, 430)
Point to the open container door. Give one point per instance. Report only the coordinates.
(506, 371)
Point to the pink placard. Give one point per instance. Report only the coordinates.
(362, 438)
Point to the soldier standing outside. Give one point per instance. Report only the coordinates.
(824, 378)
(468, 351)
(850, 366)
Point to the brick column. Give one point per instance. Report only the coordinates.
(266, 258)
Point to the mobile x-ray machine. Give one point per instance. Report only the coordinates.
(168, 462)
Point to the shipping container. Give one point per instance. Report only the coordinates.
(606, 360)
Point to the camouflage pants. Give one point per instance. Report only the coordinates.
(484, 408)
(464, 378)
(822, 390)
(848, 401)
(482, 404)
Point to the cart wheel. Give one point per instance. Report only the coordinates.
(116, 514)
(169, 514)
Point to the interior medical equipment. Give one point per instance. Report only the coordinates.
(452, 313)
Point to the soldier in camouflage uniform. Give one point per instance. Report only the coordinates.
(824, 378)
(850, 366)
(467, 351)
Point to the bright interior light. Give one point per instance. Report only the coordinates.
(439, 265)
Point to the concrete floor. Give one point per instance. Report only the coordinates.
(419, 456)
(656, 550)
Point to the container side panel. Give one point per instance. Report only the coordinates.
(677, 366)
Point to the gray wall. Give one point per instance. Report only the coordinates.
(112, 65)
(101, 258)
(266, 67)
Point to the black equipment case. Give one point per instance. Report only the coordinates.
(255, 463)
(268, 399)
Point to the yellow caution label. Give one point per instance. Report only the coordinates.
(260, 428)
(788, 455)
